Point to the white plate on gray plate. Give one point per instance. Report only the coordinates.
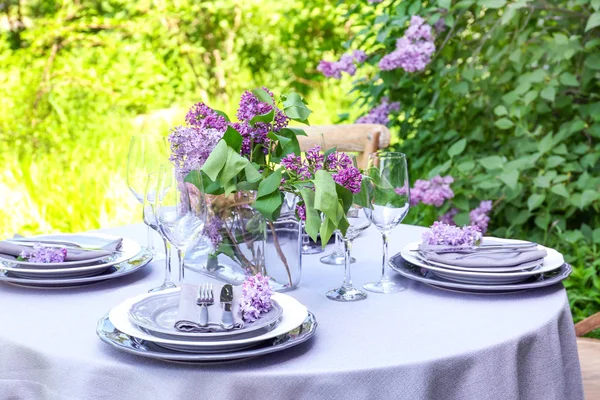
(114, 271)
(415, 272)
(294, 313)
(157, 314)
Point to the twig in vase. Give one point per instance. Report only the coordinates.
(280, 252)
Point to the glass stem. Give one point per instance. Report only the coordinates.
(384, 277)
(168, 276)
(150, 243)
(338, 250)
(347, 257)
(181, 256)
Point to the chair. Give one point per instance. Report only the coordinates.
(360, 138)
(589, 356)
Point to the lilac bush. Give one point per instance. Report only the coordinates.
(433, 192)
(381, 113)
(413, 50)
(347, 63)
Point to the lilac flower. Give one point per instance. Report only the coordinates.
(433, 192)
(315, 158)
(301, 211)
(347, 63)
(191, 146)
(203, 117)
(439, 26)
(479, 216)
(294, 166)
(44, 254)
(212, 230)
(444, 234)
(350, 178)
(413, 50)
(380, 114)
(448, 218)
(256, 297)
(338, 161)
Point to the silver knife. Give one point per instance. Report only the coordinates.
(226, 303)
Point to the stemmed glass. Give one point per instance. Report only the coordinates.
(181, 211)
(388, 196)
(358, 222)
(146, 154)
(150, 204)
(308, 246)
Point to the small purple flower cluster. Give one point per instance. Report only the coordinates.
(301, 211)
(479, 216)
(347, 64)
(295, 167)
(256, 297)
(448, 218)
(413, 50)
(191, 146)
(44, 254)
(439, 26)
(203, 117)
(433, 192)
(380, 114)
(212, 230)
(449, 235)
(344, 172)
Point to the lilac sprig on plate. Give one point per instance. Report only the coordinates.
(256, 297)
(441, 234)
(44, 254)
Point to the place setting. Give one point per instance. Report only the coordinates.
(461, 259)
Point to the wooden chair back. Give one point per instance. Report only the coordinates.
(589, 356)
(356, 138)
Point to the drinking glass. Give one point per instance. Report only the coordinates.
(358, 222)
(146, 154)
(150, 204)
(181, 212)
(388, 197)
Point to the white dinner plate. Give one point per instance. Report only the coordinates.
(294, 313)
(552, 261)
(129, 249)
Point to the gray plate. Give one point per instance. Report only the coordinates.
(129, 344)
(398, 264)
(158, 314)
(122, 269)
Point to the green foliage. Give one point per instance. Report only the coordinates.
(510, 107)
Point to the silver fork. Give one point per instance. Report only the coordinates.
(205, 300)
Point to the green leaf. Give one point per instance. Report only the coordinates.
(313, 220)
(593, 61)
(596, 235)
(568, 79)
(554, 161)
(444, 4)
(595, 4)
(262, 95)
(269, 206)
(233, 138)
(560, 190)
(593, 21)
(270, 184)
(325, 194)
(457, 148)
(327, 229)
(530, 96)
(462, 219)
(500, 110)
(492, 162)
(510, 178)
(234, 165)
(492, 3)
(542, 181)
(295, 108)
(216, 160)
(542, 221)
(546, 144)
(548, 93)
(268, 118)
(535, 200)
(504, 123)
(588, 197)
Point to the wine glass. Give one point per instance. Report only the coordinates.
(146, 154)
(308, 246)
(388, 196)
(181, 212)
(150, 205)
(357, 222)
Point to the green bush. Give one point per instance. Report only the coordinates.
(510, 107)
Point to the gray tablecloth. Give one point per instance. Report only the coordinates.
(422, 343)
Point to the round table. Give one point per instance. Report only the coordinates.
(422, 343)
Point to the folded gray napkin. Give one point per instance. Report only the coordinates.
(106, 247)
(188, 314)
(506, 258)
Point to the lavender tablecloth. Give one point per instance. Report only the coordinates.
(422, 343)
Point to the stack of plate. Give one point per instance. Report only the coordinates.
(144, 325)
(547, 271)
(129, 258)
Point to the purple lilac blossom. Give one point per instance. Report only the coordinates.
(350, 178)
(347, 63)
(212, 230)
(191, 146)
(338, 161)
(433, 192)
(448, 218)
(439, 26)
(413, 50)
(294, 166)
(315, 158)
(444, 234)
(479, 216)
(203, 117)
(256, 297)
(301, 211)
(380, 114)
(44, 254)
